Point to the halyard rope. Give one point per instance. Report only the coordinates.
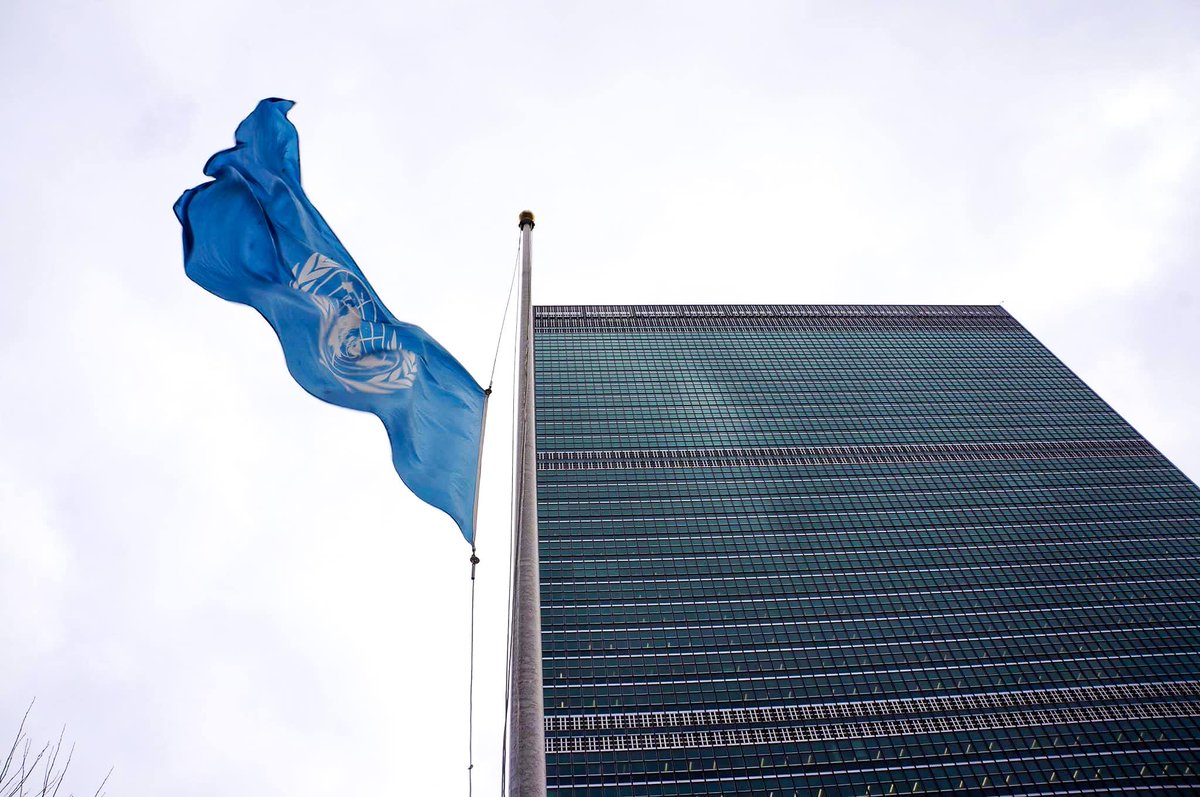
(475, 560)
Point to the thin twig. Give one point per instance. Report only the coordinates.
(13, 750)
(67, 765)
(99, 793)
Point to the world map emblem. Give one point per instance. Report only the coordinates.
(358, 347)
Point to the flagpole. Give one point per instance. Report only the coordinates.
(527, 751)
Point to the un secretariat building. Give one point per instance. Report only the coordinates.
(853, 550)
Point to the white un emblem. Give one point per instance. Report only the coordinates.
(357, 347)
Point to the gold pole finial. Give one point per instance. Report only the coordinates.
(526, 217)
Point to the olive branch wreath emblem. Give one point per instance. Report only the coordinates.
(392, 368)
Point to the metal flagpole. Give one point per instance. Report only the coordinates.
(526, 753)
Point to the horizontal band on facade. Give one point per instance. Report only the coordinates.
(734, 737)
(566, 540)
(679, 654)
(924, 494)
(565, 318)
(882, 453)
(717, 556)
(867, 708)
(771, 776)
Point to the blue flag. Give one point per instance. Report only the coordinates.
(250, 235)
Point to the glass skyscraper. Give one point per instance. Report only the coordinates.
(853, 550)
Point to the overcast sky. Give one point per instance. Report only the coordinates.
(219, 584)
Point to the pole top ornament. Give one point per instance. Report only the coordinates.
(526, 217)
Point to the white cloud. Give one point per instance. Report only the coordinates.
(37, 566)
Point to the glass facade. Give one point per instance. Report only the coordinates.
(853, 550)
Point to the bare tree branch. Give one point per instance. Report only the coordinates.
(18, 771)
(99, 792)
(13, 750)
(63, 773)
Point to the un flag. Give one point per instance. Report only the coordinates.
(250, 235)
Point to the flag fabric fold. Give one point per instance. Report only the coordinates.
(250, 235)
